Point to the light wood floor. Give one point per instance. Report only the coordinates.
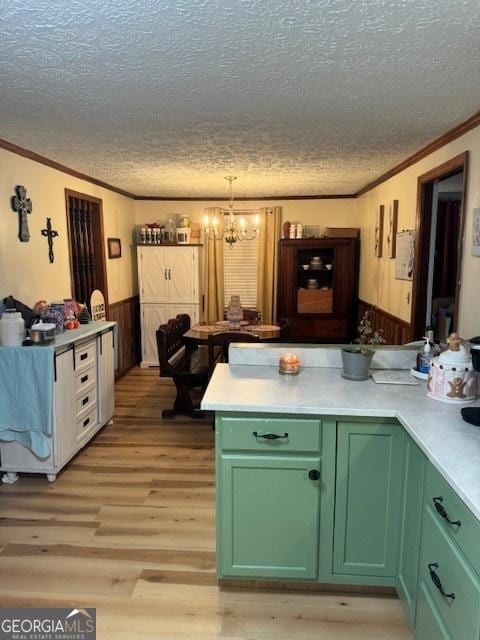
(128, 527)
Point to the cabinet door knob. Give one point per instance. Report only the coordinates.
(313, 474)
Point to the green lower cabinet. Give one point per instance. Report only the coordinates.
(430, 625)
(411, 528)
(269, 514)
(369, 487)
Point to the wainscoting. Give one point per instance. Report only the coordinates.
(126, 313)
(395, 331)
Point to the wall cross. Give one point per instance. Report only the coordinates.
(23, 206)
(50, 234)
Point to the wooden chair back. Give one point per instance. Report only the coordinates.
(219, 342)
(170, 341)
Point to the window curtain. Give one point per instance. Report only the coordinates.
(269, 235)
(213, 275)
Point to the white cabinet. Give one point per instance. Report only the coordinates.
(151, 317)
(106, 376)
(169, 284)
(83, 402)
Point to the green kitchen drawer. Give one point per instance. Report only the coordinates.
(452, 584)
(430, 625)
(463, 527)
(270, 434)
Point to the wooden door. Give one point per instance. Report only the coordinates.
(270, 514)
(153, 274)
(86, 240)
(411, 528)
(182, 274)
(369, 485)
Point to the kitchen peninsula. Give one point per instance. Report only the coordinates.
(328, 481)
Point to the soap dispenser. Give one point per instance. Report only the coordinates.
(424, 358)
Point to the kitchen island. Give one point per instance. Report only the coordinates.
(322, 480)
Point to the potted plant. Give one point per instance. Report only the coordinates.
(357, 359)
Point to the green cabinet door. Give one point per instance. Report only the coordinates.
(411, 528)
(270, 513)
(369, 485)
(430, 625)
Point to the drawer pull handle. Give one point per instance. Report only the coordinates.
(313, 474)
(84, 356)
(437, 582)
(83, 379)
(270, 436)
(437, 503)
(85, 400)
(85, 422)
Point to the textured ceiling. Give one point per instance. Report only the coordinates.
(292, 96)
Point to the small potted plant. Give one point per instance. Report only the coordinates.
(357, 359)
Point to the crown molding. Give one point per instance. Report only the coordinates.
(334, 196)
(31, 155)
(448, 136)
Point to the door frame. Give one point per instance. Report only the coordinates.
(101, 264)
(422, 238)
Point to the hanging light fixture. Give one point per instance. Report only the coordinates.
(230, 229)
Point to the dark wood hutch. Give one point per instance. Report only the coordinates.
(318, 288)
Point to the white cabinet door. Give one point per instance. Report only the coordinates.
(182, 274)
(65, 436)
(152, 316)
(191, 309)
(106, 376)
(153, 274)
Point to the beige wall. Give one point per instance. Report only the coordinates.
(377, 275)
(335, 212)
(25, 271)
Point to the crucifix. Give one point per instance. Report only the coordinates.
(50, 235)
(23, 206)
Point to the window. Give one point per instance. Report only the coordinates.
(240, 266)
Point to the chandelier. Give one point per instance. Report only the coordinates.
(227, 227)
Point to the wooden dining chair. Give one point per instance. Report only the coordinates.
(219, 342)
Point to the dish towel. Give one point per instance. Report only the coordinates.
(26, 396)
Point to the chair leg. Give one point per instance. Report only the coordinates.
(183, 404)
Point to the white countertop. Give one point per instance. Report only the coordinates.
(451, 444)
(83, 332)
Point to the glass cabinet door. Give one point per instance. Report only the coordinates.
(315, 270)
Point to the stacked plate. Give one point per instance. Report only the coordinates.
(312, 283)
(316, 262)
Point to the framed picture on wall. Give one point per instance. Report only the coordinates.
(114, 248)
(379, 231)
(476, 233)
(392, 229)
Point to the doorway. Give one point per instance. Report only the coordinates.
(86, 242)
(438, 248)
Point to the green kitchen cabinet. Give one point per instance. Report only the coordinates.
(430, 625)
(269, 516)
(411, 527)
(368, 500)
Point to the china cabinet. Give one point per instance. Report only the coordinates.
(318, 288)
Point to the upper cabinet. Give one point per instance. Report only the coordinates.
(318, 287)
(168, 274)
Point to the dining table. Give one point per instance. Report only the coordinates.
(198, 334)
